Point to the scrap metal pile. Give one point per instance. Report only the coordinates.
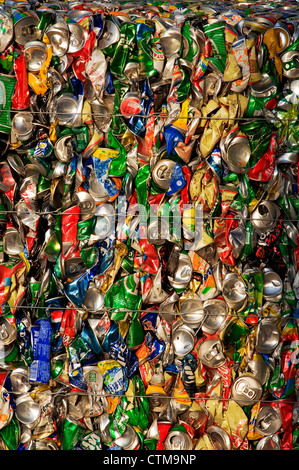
(149, 244)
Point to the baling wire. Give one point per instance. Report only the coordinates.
(156, 396)
(102, 312)
(123, 217)
(160, 115)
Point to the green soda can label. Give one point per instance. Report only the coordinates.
(72, 432)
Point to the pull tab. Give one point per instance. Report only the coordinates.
(266, 421)
(248, 392)
(177, 443)
(3, 333)
(213, 352)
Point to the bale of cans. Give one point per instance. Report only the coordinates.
(149, 243)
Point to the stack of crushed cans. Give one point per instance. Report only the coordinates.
(149, 237)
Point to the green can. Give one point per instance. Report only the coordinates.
(11, 434)
(72, 432)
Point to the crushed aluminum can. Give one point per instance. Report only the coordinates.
(35, 55)
(155, 392)
(210, 353)
(171, 41)
(27, 410)
(216, 314)
(25, 27)
(77, 38)
(79, 406)
(192, 312)
(45, 445)
(182, 340)
(22, 125)
(282, 36)
(263, 88)
(157, 231)
(103, 423)
(219, 438)
(74, 267)
(290, 64)
(258, 368)
(128, 440)
(12, 243)
(268, 336)
(6, 350)
(63, 148)
(58, 35)
(110, 34)
(7, 30)
(183, 272)
(94, 378)
(94, 299)
(264, 216)
(246, 390)
(19, 379)
(268, 421)
(65, 108)
(273, 286)
(86, 204)
(234, 291)
(238, 154)
(6, 410)
(178, 440)
(162, 173)
(8, 332)
(269, 443)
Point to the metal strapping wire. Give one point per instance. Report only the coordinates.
(157, 396)
(123, 217)
(144, 310)
(151, 115)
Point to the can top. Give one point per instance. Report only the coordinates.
(35, 55)
(216, 313)
(110, 34)
(247, 390)
(211, 354)
(268, 336)
(192, 312)
(63, 148)
(94, 299)
(219, 437)
(27, 410)
(269, 443)
(268, 421)
(86, 204)
(25, 29)
(178, 440)
(183, 340)
(162, 173)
